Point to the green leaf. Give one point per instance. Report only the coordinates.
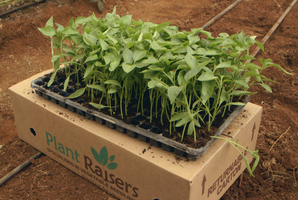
(60, 28)
(269, 80)
(162, 26)
(139, 54)
(201, 51)
(252, 73)
(125, 20)
(112, 90)
(260, 45)
(77, 93)
(279, 67)
(56, 64)
(242, 83)
(128, 67)
(179, 116)
(207, 76)
(223, 65)
(173, 92)
(157, 83)
(128, 56)
(141, 64)
(89, 39)
(155, 68)
(78, 39)
(112, 166)
(224, 35)
(82, 20)
(240, 39)
(154, 45)
(52, 78)
(112, 82)
(180, 35)
(236, 104)
(111, 31)
(247, 57)
(190, 130)
(197, 123)
(179, 49)
(190, 51)
(66, 82)
(208, 34)
(92, 58)
(55, 58)
(171, 30)
(50, 22)
(103, 45)
(252, 66)
(140, 38)
(114, 65)
(211, 52)
(150, 60)
(147, 35)
(97, 87)
(88, 70)
(193, 72)
(207, 90)
(113, 39)
(266, 87)
(95, 51)
(98, 106)
(71, 23)
(228, 41)
(193, 39)
(255, 74)
(48, 31)
(257, 157)
(70, 31)
(191, 61)
(109, 57)
(241, 93)
(223, 96)
(180, 78)
(183, 121)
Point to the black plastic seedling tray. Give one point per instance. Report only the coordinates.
(133, 131)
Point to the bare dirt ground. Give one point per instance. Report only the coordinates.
(24, 51)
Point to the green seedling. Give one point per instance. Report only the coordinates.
(254, 154)
(191, 75)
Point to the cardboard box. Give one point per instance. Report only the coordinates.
(126, 167)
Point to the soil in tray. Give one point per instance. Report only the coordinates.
(135, 116)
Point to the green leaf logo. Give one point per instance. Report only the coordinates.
(112, 158)
(103, 158)
(112, 166)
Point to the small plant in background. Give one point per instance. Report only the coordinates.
(99, 4)
(190, 77)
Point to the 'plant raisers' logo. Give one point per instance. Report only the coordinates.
(103, 158)
(105, 177)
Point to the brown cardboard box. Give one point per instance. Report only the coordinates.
(124, 166)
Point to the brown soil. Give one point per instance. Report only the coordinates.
(24, 51)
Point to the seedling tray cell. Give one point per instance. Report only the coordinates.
(141, 134)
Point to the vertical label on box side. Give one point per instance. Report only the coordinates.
(98, 168)
(228, 176)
